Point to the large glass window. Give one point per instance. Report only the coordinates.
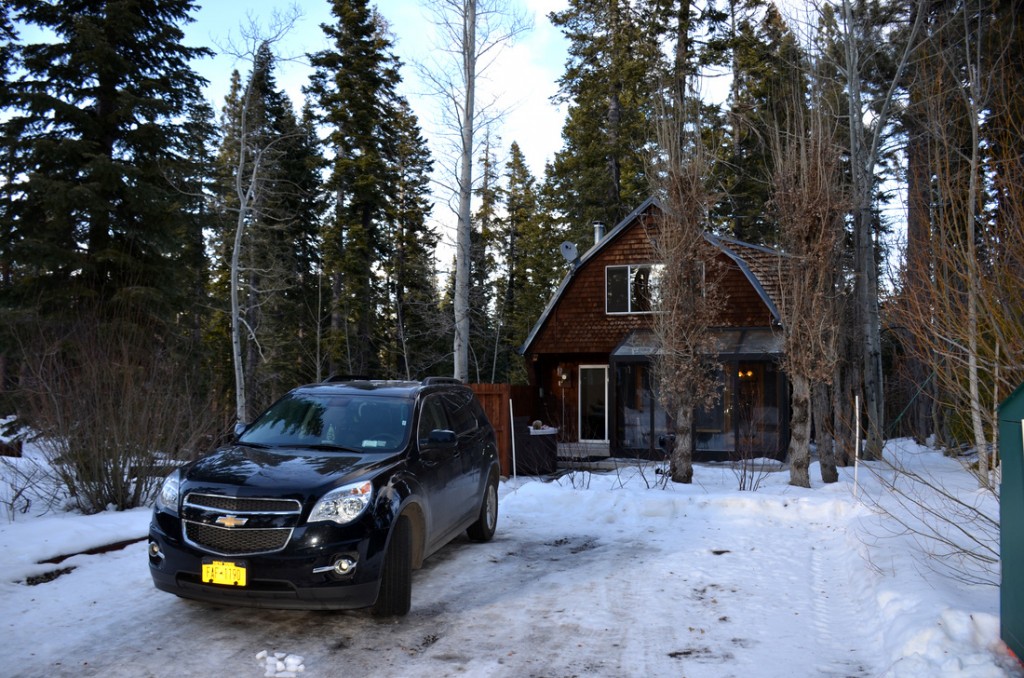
(746, 419)
(593, 402)
(632, 288)
(640, 419)
(714, 424)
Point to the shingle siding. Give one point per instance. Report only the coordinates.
(578, 322)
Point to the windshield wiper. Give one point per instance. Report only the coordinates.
(328, 446)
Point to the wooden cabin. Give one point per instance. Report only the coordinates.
(589, 355)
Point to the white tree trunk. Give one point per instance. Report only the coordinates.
(465, 223)
(864, 151)
(241, 415)
(473, 31)
(973, 287)
(243, 193)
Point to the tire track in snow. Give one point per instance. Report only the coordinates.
(838, 618)
(747, 603)
(753, 596)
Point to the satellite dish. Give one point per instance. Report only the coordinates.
(568, 250)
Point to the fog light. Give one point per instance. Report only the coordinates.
(154, 550)
(344, 566)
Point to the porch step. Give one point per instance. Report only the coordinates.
(598, 464)
(582, 451)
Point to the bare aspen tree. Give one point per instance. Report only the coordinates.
(471, 34)
(248, 186)
(689, 298)
(961, 303)
(869, 120)
(965, 322)
(974, 104)
(809, 205)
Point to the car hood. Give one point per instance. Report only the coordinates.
(282, 470)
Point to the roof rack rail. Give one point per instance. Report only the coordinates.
(441, 380)
(335, 378)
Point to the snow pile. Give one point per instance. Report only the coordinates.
(589, 574)
(280, 664)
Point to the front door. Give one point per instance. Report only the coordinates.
(593, 403)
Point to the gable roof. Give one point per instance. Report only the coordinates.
(758, 264)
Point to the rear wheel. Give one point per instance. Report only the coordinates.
(483, 528)
(395, 597)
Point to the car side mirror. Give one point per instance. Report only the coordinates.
(240, 429)
(438, 445)
(441, 437)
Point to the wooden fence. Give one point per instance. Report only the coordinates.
(495, 400)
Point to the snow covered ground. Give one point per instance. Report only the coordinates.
(589, 575)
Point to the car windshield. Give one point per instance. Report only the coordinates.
(333, 422)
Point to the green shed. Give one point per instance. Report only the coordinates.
(1011, 521)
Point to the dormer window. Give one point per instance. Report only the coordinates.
(632, 288)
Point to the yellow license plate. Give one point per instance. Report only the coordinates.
(224, 572)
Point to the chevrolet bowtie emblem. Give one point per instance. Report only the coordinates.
(231, 521)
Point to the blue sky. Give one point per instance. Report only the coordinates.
(523, 77)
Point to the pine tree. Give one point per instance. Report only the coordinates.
(767, 81)
(8, 346)
(874, 56)
(485, 310)
(531, 251)
(418, 330)
(353, 90)
(609, 83)
(7, 38)
(99, 127)
(105, 160)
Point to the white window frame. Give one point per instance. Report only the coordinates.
(631, 269)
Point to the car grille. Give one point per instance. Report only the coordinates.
(243, 504)
(241, 540)
(236, 541)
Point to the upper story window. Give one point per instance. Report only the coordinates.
(632, 288)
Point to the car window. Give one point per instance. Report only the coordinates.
(292, 419)
(432, 417)
(353, 422)
(461, 411)
(376, 423)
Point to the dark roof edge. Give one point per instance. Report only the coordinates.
(619, 228)
(720, 243)
(547, 311)
(717, 241)
(589, 254)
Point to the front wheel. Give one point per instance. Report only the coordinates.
(483, 528)
(395, 597)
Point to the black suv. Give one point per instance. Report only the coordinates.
(330, 498)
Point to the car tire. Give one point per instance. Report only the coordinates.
(395, 596)
(485, 525)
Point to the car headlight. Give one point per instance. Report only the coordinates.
(344, 504)
(168, 496)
